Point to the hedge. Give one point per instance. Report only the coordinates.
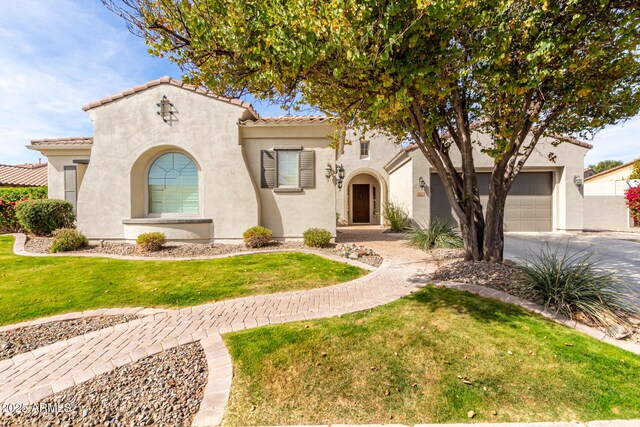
(15, 194)
(42, 217)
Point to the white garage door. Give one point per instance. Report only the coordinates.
(528, 206)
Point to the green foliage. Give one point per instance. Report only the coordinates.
(42, 217)
(635, 172)
(15, 194)
(151, 242)
(605, 165)
(68, 239)
(574, 283)
(439, 235)
(317, 237)
(8, 220)
(632, 197)
(257, 237)
(396, 216)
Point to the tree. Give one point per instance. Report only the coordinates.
(418, 69)
(605, 165)
(635, 172)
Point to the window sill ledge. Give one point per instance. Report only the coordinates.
(167, 221)
(287, 190)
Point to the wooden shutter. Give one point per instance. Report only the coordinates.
(307, 169)
(268, 169)
(70, 184)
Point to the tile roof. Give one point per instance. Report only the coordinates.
(173, 82)
(78, 140)
(29, 174)
(288, 120)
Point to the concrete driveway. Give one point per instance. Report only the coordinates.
(621, 256)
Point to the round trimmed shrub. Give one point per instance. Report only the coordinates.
(317, 237)
(68, 239)
(257, 237)
(42, 217)
(151, 242)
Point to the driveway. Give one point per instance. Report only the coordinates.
(621, 256)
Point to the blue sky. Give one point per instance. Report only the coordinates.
(57, 56)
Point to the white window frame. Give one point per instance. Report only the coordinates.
(297, 153)
(368, 148)
(147, 199)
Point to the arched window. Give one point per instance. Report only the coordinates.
(173, 185)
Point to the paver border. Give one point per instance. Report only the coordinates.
(501, 296)
(21, 240)
(597, 423)
(218, 388)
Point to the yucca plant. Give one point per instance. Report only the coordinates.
(439, 235)
(396, 217)
(572, 283)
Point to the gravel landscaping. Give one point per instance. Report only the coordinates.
(188, 250)
(161, 390)
(29, 338)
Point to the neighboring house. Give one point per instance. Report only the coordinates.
(167, 156)
(605, 205)
(24, 175)
(589, 172)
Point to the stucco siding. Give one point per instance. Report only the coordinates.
(606, 213)
(288, 215)
(400, 188)
(128, 133)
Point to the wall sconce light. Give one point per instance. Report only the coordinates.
(577, 180)
(338, 172)
(421, 183)
(165, 109)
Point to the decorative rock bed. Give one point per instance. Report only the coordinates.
(359, 253)
(42, 245)
(162, 390)
(29, 338)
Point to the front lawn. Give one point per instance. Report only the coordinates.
(428, 358)
(33, 287)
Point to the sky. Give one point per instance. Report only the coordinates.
(56, 56)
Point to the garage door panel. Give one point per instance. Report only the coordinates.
(528, 206)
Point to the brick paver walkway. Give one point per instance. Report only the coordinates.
(32, 376)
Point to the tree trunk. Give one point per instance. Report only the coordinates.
(493, 246)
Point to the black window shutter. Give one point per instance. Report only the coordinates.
(267, 169)
(307, 169)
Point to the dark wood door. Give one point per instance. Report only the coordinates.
(361, 203)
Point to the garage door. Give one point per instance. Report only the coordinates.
(528, 206)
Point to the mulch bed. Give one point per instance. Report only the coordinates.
(25, 339)
(161, 390)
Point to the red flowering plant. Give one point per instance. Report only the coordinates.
(633, 201)
(8, 220)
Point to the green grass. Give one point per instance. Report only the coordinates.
(33, 287)
(520, 365)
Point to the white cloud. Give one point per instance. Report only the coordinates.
(57, 57)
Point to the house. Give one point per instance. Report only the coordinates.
(24, 175)
(167, 156)
(546, 196)
(605, 204)
(588, 172)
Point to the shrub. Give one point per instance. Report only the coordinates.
(151, 242)
(41, 217)
(16, 194)
(256, 237)
(317, 237)
(439, 235)
(396, 216)
(635, 172)
(573, 283)
(68, 239)
(633, 201)
(8, 220)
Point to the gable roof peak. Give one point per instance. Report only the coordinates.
(174, 82)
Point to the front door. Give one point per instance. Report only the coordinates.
(361, 203)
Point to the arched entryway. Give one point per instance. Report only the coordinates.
(365, 195)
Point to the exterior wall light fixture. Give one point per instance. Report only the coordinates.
(422, 184)
(577, 180)
(337, 172)
(165, 109)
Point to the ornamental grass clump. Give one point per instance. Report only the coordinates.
(42, 217)
(317, 237)
(439, 235)
(257, 237)
(68, 239)
(151, 242)
(575, 285)
(396, 217)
